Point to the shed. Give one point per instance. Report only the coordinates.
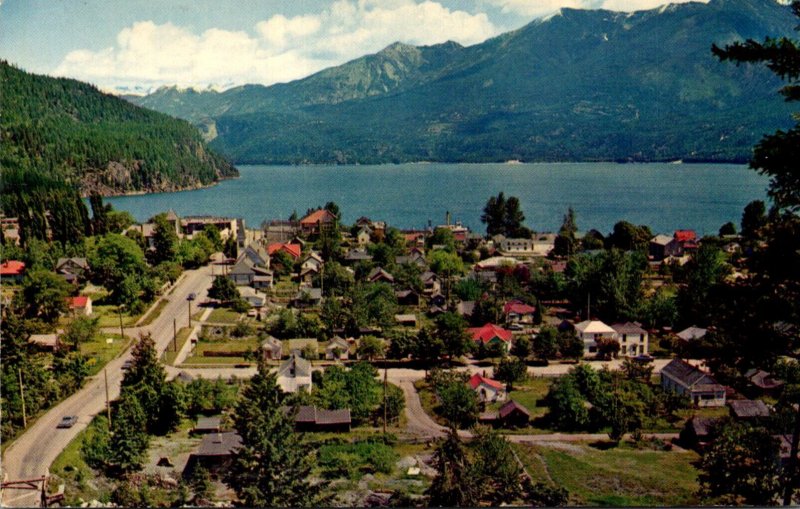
(748, 409)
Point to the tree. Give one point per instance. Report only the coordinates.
(223, 289)
(703, 273)
(200, 483)
(165, 240)
(370, 347)
(607, 348)
(566, 244)
(499, 472)
(727, 229)
(81, 330)
(458, 403)
(510, 370)
(442, 237)
(128, 444)
(451, 329)
(754, 218)
(522, 348)
(741, 466)
(45, 295)
(545, 344)
(567, 406)
(268, 441)
(115, 258)
(629, 237)
(454, 484)
(570, 345)
(504, 216)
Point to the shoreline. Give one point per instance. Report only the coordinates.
(177, 190)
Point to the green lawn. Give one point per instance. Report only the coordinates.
(223, 315)
(79, 480)
(529, 394)
(100, 352)
(621, 476)
(232, 345)
(109, 316)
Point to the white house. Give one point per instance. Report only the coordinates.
(337, 349)
(488, 390)
(592, 331)
(294, 374)
(633, 340)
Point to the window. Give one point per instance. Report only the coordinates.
(624, 338)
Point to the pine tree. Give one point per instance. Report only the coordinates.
(272, 466)
(454, 485)
(129, 440)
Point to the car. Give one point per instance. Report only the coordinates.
(127, 365)
(67, 421)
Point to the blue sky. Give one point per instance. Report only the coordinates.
(143, 44)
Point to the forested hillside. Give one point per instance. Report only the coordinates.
(582, 85)
(70, 132)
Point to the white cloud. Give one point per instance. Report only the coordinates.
(536, 8)
(278, 49)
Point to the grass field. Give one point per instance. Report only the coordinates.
(223, 315)
(109, 316)
(620, 476)
(182, 337)
(529, 394)
(81, 483)
(100, 352)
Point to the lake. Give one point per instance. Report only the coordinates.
(661, 195)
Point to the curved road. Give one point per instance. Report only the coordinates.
(33, 452)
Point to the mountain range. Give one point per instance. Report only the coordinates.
(581, 85)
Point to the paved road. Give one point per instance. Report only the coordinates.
(35, 450)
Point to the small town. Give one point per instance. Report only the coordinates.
(384, 354)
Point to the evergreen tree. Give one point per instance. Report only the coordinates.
(129, 440)
(165, 240)
(273, 464)
(455, 484)
(566, 244)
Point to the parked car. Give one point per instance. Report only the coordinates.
(67, 421)
(127, 365)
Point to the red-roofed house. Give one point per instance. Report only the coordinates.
(317, 221)
(686, 238)
(518, 312)
(491, 333)
(80, 305)
(293, 250)
(488, 390)
(12, 270)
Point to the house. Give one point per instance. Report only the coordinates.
(245, 272)
(513, 415)
(257, 255)
(664, 246)
(278, 230)
(406, 320)
(415, 257)
(378, 275)
(44, 341)
(516, 247)
(357, 255)
(293, 250)
(687, 239)
(317, 221)
(294, 374)
(228, 227)
(364, 236)
(543, 243)
(683, 378)
(12, 270)
(696, 433)
(73, 268)
(307, 298)
(490, 334)
(311, 418)
(763, 382)
(517, 312)
(633, 339)
(313, 260)
(252, 296)
(215, 453)
(488, 390)
(272, 348)
(692, 333)
(80, 305)
(407, 297)
(207, 425)
(465, 308)
(438, 299)
(748, 409)
(785, 444)
(307, 275)
(430, 283)
(592, 331)
(337, 349)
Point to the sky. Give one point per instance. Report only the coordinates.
(140, 45)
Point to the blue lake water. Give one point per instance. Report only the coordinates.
(664, 196)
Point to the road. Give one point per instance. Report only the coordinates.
(32, 453)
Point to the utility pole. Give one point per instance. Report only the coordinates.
(385, 377)
(22, 398)
(121, 330)
(108, 402)
(175, 334)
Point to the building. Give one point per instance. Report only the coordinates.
(696, 433)
(593, 331)
(245, 272)
(510, 415)
(763, 383)
(633, 339)
(692, 333)
(311, 418)
(293, 250)
(207, 425)
(307, 298)
(683, 378)
(488, 390)
(517, 312)
(664, 246)
(491, 334)
(227, 226)
(516, 247)
(80, 305)
(215, 453)
(379, 275)
(272, 349)
(751, 410)
(337, 349)
(73, 269)
(12, 270)
(294, 374)
(406, 320)
(317, 221)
